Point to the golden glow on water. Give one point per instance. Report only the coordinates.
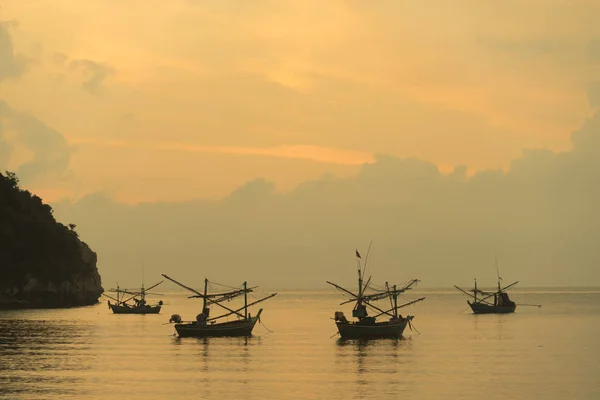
(548, 353)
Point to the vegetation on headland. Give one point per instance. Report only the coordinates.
(43, 263)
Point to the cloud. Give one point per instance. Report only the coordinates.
(48, 150)
(594, 94)
(363, 77)
(11, 64)
(527, 48)
(45, 152)
(593, 49)
(335, 82)
(587, 139)
(95, 73)
(5, 146)
(252, 192)
(540, 217)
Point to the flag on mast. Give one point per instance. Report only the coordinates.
(358, 254)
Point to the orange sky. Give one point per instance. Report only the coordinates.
(181, 99)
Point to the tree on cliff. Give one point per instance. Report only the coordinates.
(35, 247)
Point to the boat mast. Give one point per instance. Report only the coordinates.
(360, 280)
(204, 298)
(245, 302)
(475, 290)
(143, 291)
(395, 303)
(498, 273)
(497, 296)
(387, 287)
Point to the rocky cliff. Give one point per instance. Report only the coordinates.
(43, 263)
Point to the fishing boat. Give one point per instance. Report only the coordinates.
(501, 303)
(367, 326)
(133, 301)
(484, 304)
(207, 326)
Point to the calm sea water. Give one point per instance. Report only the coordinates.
(547, 353)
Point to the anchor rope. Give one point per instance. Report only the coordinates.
(260, 321)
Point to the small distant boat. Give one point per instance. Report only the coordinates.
(496, 302)
(207, 326)
(368, 327)
(133, 301)
(501, 303)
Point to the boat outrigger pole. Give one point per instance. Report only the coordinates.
(217, 298)
(529, 305)
(399, 306)
(367, 303)
(241, 308)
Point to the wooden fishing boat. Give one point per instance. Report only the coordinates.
(242, 327)
(501, 303)
(133, 301)
(141, 309)
(207, 326)
(366, 326)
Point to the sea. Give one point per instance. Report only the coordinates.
(552, 352)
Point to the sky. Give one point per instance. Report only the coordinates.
(268, 139)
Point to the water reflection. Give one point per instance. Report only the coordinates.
(372, 354)
(40, 354)
(378, 365)
(213, 350)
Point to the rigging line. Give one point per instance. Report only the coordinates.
(410, 324)
(344, 293)
(260, 321)
(367, 260)
(227, 286)
(216, 287)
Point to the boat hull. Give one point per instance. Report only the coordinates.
(482, 308)
(233, 328)
(116, 309)
(358, 330)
